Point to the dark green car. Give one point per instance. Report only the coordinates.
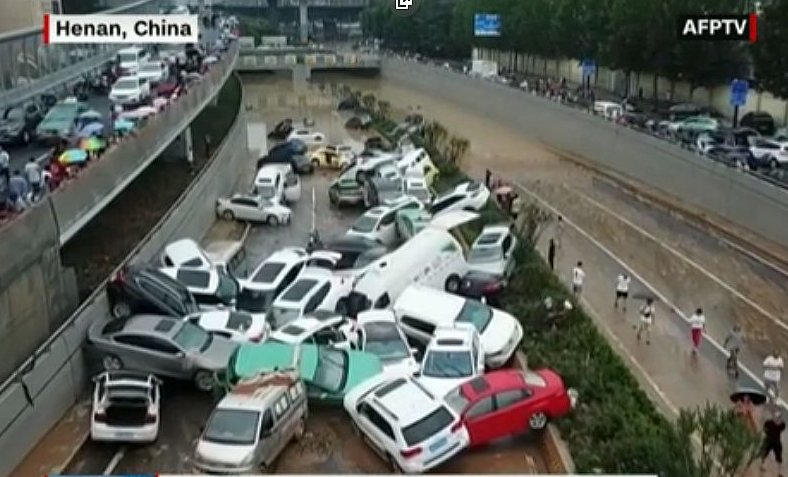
(346, 190)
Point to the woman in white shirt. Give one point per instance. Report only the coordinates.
(697, 325)
(578, 277)
(646, 320)
(622, 291)
(772, 373)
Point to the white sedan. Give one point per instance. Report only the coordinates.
(493, 251)
(252, 208)
(125, 407)
(238, 326)
(310, 138)
(471, 195)
(453, 356)
(377, 333)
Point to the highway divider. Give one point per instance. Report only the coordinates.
(42, 390)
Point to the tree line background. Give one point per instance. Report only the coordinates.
(627, 35)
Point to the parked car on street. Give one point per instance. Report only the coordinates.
(346, 189)
(60, 121)
(509, 402)
(329, 373)
(417, 187)
(693, 125)
(406, 424)
(377, 332)
(321, 327)
(125, 407)
(378, 223)
(314, 289)
(420, 310)
(252, 424)
(453, 356)
(493, 251)
(130, 90)
(282, 129)
(769, 152)
(483, 286)
(253, 208)
(161, 345)
(310, 138)
(270, 278)
(382, 191)
(154, 72)
(211, 288)
(144, 289)
(355, 252)
(335, 156)
(237, 326)
(292, 152)
(471, 195)
(185, 253)
(760, 121)
(18, 123)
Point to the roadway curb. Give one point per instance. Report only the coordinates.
(553, 448)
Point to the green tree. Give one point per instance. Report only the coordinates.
(369, 101)
(455, 149)
(384, 110)
(769, 51)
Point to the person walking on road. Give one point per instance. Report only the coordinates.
(622, 291)
(772, 441)
(578, 277)
(732, 344)
(697, 324)
(5, 165)
(647, 312)
(18, 185)
(558, 232)
(551, 254)
(772, 374)
(35, 178)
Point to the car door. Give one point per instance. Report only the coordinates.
(386, 230)
(509, 416)
(242, 208)
(284, 425)
(292, 187)
(377, 431)
(478, 354)
(148, 353)
(416, 328)
(153, 297)
(317, 299)
(268, 438)
(478, 420)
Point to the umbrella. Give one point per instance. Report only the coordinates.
(91, 129)
(503, 190)
(91, 114)
(123, 125)
(73, 156)
(756, 395)
(139, 113)
(91, 144)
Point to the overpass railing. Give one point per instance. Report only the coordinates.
(262, 60)
(29, 68)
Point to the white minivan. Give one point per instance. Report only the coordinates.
(130, 59)
(278, 183)
(433, 257)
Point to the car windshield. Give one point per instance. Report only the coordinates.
(268, 272)
(62, 112)
(128, 57)
(422, 430)
(476, 313)
(266, 191)
(484, 254)
(15, 113)
(127, 84)
(232, 426)
(192, 338)
(332, 368)
(228, 288)
(456, 399)
(447, 364)
(384, 341)
(280, 316)
(365, 224)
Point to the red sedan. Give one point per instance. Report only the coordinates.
(507, 402)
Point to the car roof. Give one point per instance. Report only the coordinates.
(492, 382)
(446, 337)
(185, 251)
(351, 243)
(301, 289)
(489, 238)
(157, 275)
(306, 325)
(216, 319)
(377, 211)
(375, 316)
(406, 399)
(250, 393)
(438, 306)
(287, 256)
(151, 325)
(250, 357)
(182, 274)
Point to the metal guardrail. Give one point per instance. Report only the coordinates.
(252, 60)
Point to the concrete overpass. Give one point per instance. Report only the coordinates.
(304, 61)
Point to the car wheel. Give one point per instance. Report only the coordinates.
(342, 307)
(537, 421)
(773, 163)
(453, 284)
(300, 429)
(111, 362)
(272, 220)
(121, 309)
(228, 215)
(204, 381)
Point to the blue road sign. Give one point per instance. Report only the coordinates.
(588, 66)
(486, 24)
(739, 90)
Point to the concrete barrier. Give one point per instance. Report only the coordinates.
(717, 190)
(40, 392)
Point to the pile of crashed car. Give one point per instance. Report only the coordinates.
(394, 321)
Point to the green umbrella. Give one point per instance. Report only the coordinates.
(91, 144)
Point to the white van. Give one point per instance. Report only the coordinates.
(252, 425)
(418, 161)
(433, 258)
(130, 59)
(226, 255)
(278, 183)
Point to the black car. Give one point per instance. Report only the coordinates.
(760, 121)
(143, 289)
(281, 130)
(478, 285)
(734, 156)
(18, 123)
(356, 251)
(291, 152)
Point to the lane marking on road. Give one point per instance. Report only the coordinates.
(637, 276)
(113, 463)
(682, 256)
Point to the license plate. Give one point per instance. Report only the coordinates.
(124, 435)
(437, 445)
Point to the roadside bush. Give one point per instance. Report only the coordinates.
(616, 428)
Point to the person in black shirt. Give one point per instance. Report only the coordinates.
(551, 254)
(772, 431)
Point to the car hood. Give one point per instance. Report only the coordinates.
(117, 91)
(217, 356)
(361, 366)
(501, 329)
(493, 268)
(441, 386)
(227, 454)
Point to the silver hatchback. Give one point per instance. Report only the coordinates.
(161, 345)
